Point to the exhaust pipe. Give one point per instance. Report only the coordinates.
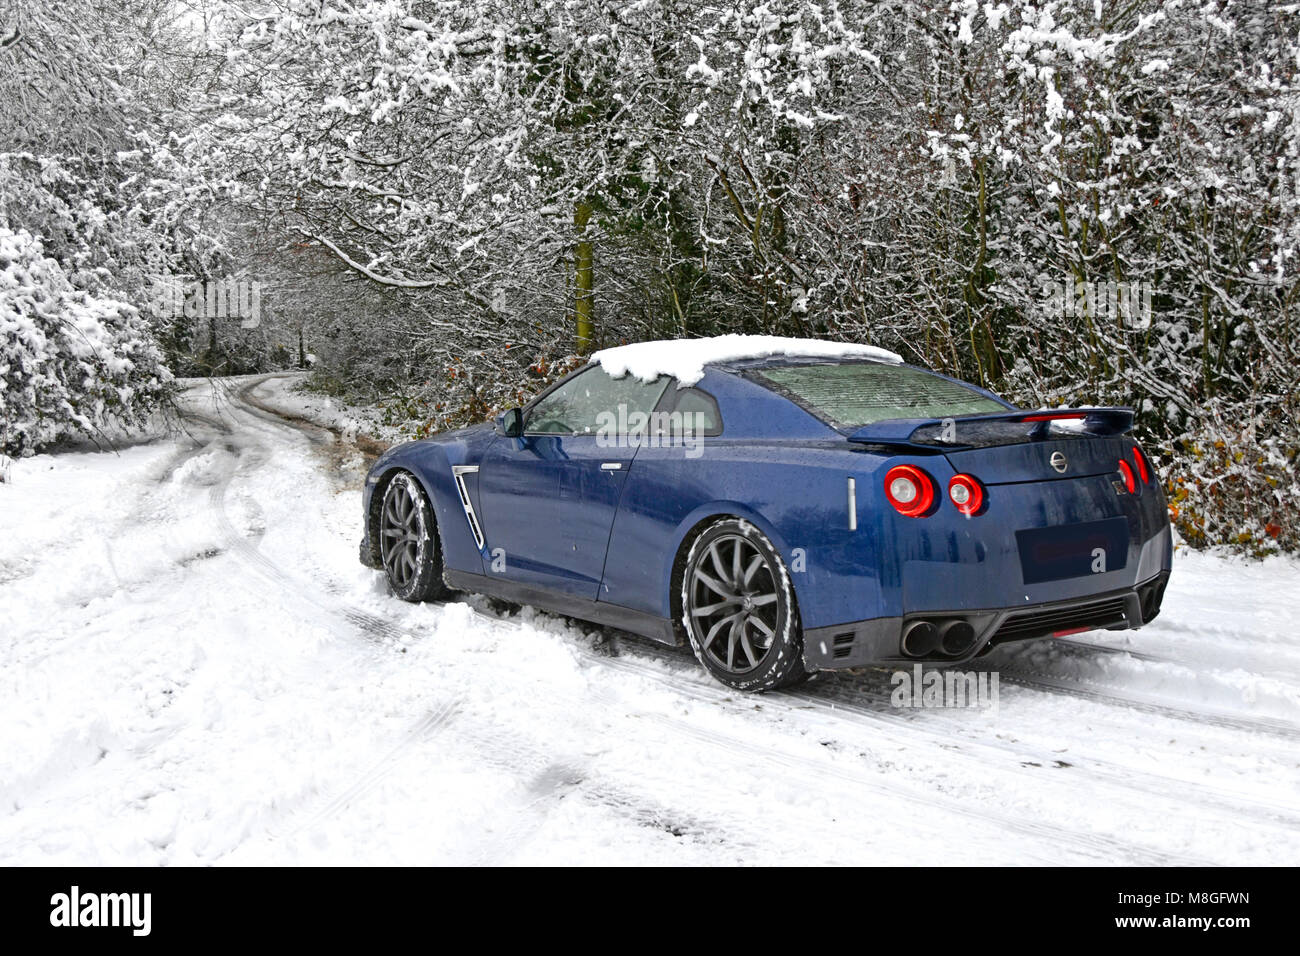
(920, 638)
(956, 637)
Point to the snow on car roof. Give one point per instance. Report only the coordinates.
(685, 359)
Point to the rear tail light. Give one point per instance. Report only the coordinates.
(909, 490)
(1144, 470)
(1126, 472)
(966, 493)
(1064, 417)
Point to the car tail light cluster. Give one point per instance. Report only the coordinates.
(966, 493)
(912, 492)
(909, 490)
(1141, 468)
(1062, 417)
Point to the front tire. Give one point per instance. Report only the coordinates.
(408, 541)
(739, 609)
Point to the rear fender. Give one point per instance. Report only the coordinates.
(701, 518)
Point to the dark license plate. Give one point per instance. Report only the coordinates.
(1072, 550)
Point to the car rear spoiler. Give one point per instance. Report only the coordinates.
(968, 431)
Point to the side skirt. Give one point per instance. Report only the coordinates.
(607, 615)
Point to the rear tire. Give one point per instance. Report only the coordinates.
(409, 549)
(739, 608)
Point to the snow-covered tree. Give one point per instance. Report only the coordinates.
(70, 360)
(93, 204)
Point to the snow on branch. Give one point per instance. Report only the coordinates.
(368, 272)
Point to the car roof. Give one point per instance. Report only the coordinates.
(792, 360)
(686, 359)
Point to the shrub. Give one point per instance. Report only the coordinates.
(71, 361)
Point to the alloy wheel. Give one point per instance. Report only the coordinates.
(734, 603)
(401, 534)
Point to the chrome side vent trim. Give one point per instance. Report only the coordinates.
(459, 472)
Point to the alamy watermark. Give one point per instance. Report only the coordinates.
(1124, 302)
(933, 688)
(626, 428)
(123, 910)
(225, 298)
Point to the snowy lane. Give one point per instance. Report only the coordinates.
(195, 670)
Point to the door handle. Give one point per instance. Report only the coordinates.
(611, 465)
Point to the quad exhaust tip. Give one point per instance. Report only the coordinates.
(956, 636)
(920, 638)
(950, 637)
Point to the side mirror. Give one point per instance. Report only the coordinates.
(510, 423)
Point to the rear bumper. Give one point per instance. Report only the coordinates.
(880, 640)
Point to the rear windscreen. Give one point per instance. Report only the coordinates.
(854, 394)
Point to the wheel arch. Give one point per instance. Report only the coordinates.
(376, 504)
(404, 462)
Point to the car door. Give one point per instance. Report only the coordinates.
(549, 497)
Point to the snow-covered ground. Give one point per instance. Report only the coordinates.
(194, 669)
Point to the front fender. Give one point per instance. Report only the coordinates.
(431, 464)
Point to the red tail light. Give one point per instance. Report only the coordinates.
(909, 490)
(1066, 416)
(1130, 482)
(966, 493)
(1140, 459)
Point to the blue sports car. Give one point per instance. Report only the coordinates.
(786, 506)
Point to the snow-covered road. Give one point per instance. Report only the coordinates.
(194, 669)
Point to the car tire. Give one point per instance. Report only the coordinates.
(739, 609)
(409, 549)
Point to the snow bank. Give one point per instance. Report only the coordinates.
(684, 359)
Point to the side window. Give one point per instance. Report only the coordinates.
(687, 411)
(576, 407)
(702, 409)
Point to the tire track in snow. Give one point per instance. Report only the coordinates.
(428, 727)
(1225, 800)
(1092, 846)
(1118, 697)
(551, 779)
(1099, 848)
(902, 730)
(1202, 650)
(908, 731)
(247, 458)
(250, 456)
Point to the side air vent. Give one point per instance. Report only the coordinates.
(842, 644)
(459, 472)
